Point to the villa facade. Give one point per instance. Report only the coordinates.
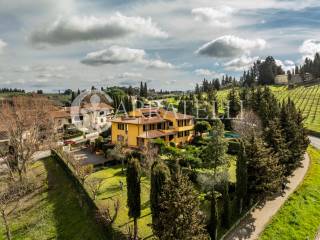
(142, 125)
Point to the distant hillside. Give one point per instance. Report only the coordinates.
(306, 98)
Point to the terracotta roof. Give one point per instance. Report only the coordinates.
(139, 120)
(175, 115)
(155, 134)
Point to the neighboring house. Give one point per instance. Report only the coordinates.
(97, 116)
(143, 125)
(87, 117)
(281, 80)
(61, 119)
(4, 137)
(296, 79)
(308, 77)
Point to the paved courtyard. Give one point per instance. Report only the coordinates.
(88, 157)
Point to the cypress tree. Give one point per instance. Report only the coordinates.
(133, 191)
(242, 178)
(226, 214)
(141, 89)
(214, 219)
(145, 90)
(160, 174)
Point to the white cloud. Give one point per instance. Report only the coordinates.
(66, 30)
(15, 81)
(40, 68)
(118, 55)
(240, 64)
(215, 16)
(126, 75)
(50, 75)
(207, 73)
(114, 55)
(309, 48)
(157, 63)
(3, 44)
(230, 46)
(286, 65)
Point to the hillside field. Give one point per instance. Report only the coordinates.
(306, 98)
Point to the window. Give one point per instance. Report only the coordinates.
(145, 127)
(121, 126)
(187, 133)
(102, 120)
(101, 113)
(81, 118)
(180, 134)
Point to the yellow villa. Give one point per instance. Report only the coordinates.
(142, 125)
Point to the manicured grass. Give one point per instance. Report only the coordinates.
(53, 211)
(299, 217)
(110, 192)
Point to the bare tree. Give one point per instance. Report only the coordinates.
(95, 185)
(104, 214)
(247, 124)
(29, 128)
(10, 198)
(150, 153)
(82, 171)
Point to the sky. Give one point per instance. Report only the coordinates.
(170, 44)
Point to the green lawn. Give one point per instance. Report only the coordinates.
(110, 192)
(53, 211)
(299, 217)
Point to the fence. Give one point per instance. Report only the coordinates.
(236, 224)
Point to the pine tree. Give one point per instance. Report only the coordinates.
(214, 154)
(264, 170)
(295, 135)
(234, 103)
(274, 137)
(160, 174)
(242, 178)
(180, 218)
(134, 191)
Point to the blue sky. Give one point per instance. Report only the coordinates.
(59, 44)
